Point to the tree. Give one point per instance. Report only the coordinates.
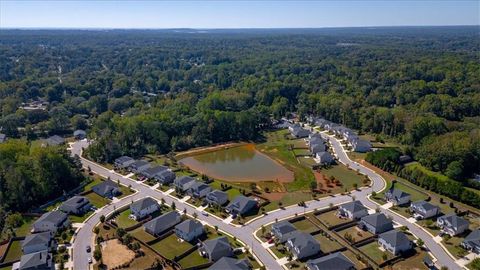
(263, 230)
(195, 215)
(173, 206)
(420, 242)
(97, 253)
(102, 218)
(313, 185)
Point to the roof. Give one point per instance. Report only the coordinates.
(397, 193)
(76, 202)
(455, 220)
(139, 163)
(284, 227)
(79, 132)
(3, 137)
(353, 206)
(334, 261)
(473, 238)
(154, 170)
(317, 147)
(324, 155)
(376, 220)
(166, 174)
(183, 180)
(218, 245)
(55, 140)
(34, 260)
(37, 239)
(142, 204)
(395, 238)
(199, 186)
(163, 222)
(188, 225)
(240, 202)
(55, 217)
(424, 205)
(220, 195)
(123, 159)
(105, 187)
(230, 264)
(302, 240)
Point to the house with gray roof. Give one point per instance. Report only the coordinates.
(54, 140)
(324, 158)
(107, 189)
(395, 242)
(334, 261)
(241, 205)
(302, 245)
(361, 146)
(189, 230)
(199, 190)
(397, 196)
(298, 132)
(37, 261)
(123, 162)
(452, 224)
(139, 166)
(424, 210)
(151, 172)
(143, 208)
(76, 205)
(231, 264)
(51, 222)
(316, 147)
(37, 242)
(3, 137)
(160, 224)
(217, 197)
(217, 248)
(376, 223)
(165, 177)
(79, 134)
(283, 230)
(183, 183)
(472, 241)
(352, 210)
(316, 140)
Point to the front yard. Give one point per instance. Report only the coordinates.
(97, 200)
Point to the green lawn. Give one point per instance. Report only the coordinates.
(123, 221)
(142, 235)
(125, 191)
(171, 246)
(346, 176)
(97, 200)
(6, 268)
(96, 180)
(14, 252)
(372, 250)
(26, 226)
(305, 225)
(279, 251)
(193, 259)
(327, 245)
(453, 245)
(79, 219)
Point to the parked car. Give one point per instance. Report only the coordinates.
(89, 249)
(205, 213)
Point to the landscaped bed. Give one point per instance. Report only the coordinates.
(171, 246)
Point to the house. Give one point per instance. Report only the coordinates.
(397, 197)
(452, 224)
(123, 162)
(472, 241)
(37, 261)
(76, 205)
(3, 138)
(361, 146)
(324, 158)
(283, 231)
(424, 210)
(302, 245)
(189, 230)
(51, 222)
(376, 223)
(139, 166)
(215, 249)
(162, 223)
(395, 242)
(241, 205)
(107, 189)
(143, 208)
(151, 172)
(352, 210)
(183, 183)
(79, 134)
(316, 140)
(315, 135)
(199, 190)
(334, 261)
(231, 264)
(217, 197)
(299, 132)
(37, 242)
(166, 177)
(317, 148)
(54, 140)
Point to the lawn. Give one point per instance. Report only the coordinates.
(453, 245)
(327, 245)
(353, 258)
(373, 251)
(193, 259)
(357, 234)
(413, 262)
(330, 219)
(125, 191)
(123, 220)
(26, 226)
(171, 246)
(142, 235)
(305, 225)
(95, 181)
(97, 200)
(14, 252)
(79, 219)
(346, 176)
(279, 251)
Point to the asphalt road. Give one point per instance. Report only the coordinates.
(245, 233)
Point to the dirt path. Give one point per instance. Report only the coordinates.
(115, 254)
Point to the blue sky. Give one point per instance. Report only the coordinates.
(235, 14)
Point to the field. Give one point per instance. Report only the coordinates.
(14, 252)
(115, 254)
(346, 176)
(171, 246)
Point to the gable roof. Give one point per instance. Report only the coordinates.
(240, 202)
(302, 240)
(165, 174)
(454, 220)
(123, 159)
(105, 187)
(37, 239)
(55, 217)
(397, 193)
(353, 206)
(34, 260)
(377, 220)
(424, 205)
(55, 140)
(284, 227)
(199, 186)
(183, 180)
(154, 170)
(75, 202)
(324, 155)
(473, 238)
(334, 261)
(79, 132)
(395, 238)
(163, 222)
(230, 264)
(143, 204)
(189, 225)
(218, 194)
(139, 163)
(218, 245)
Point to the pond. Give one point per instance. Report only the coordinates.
(238, 164)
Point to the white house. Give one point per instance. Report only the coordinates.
(143, 208)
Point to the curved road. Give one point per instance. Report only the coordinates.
(246, 233)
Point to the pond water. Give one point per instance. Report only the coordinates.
(238, 164)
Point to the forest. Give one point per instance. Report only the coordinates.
(157, 91)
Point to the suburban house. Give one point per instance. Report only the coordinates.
(123, 162)
(315, 136)
(54, 140)
(107, 189)
(199, 190)
(51, 222)
(323, 158)
(241, 205)
(76, 205)
(37, 261)
(162, 223)
(231, 264)
(79, 134)
(151, 172)
(283, 231)
(334, 261)
(424, 210)
(472, 241)
(184, 183)
(214, 249)
(298, 132)
(352, 210)
(143, 208)
(375, 223)
(302, 245)
(395, 242)
(165, 177)
(139, 166)
(316, 140)
(361, 146)
(452, 224)
(217, 197)
(3, 137)
(189, 230)
(37, 242)
(397, 197)
(317, 148)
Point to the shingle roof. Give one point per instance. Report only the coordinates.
(473, 238)
(240, 202)
(34, 260)
(79, 132)
(37, 239)
(217, 246)
(188, 225)
(163, 222)
(302, 240)
(105, 187)
(55, 140)
(55, 217)
(425, 205)
(183, 180)
(123, 159)
(353, 206)
(166, 174)
(284, 227)
(220, 195)
(395, 238)
(199, 186)
(334, 261)
(376, 220)
(397, 193)
(455, 220)
(230, 264)
(143, 203)
(139, 163)
(76, 202)
(154, 170)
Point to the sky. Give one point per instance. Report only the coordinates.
(235, 14)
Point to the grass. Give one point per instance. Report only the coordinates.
(79, 219)
(279, 251)
(125, 191)
(353, 258)
(346, 176)
(327, 245)
(142, 235)
(26, 227)
(305, 225)
(14, 252)
(357, 234)
(171, 246)
(453, 245)
(193, 259)
(96, 180)
(97, 200)
(6, 268)
(413, 262)
(330, 219)
(146, 261)
(373, 251)
(123, 220)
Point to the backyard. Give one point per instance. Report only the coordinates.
(14, 252)
(375, 253)
(355, 233)
(305, 225)
(97, 200)
(123, 220)
(192, 259)
(171, 246)
(330, 219)
(327, 244)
